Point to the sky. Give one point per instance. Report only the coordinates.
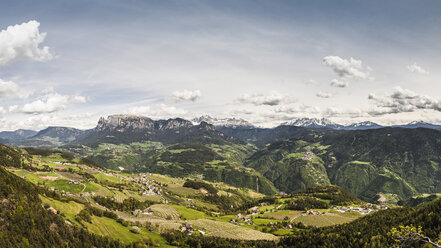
(67, 63)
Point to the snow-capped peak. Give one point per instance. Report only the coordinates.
(418, 123)
(363, 125)
(312, 123)
(224, 122)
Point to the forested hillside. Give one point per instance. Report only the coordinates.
(25, 223)
(373, 230)
(395, 162)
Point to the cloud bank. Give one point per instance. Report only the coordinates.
(402, 100)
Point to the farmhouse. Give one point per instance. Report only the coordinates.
(254, 210)
(52, 210)
(312, 212)
(187, 228)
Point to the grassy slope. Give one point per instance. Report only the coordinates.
(108, 227)
(167, 216)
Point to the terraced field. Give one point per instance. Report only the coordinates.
(69, 209)
(328, 219)
(109, 227)
(165, 211)
(227, 230)
(170, 204)
(188, 213)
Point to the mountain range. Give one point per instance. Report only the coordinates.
(129, 128)
(17, 134)
(158, 129)
(364, 158)
(224, 122)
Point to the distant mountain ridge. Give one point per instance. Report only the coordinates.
(419, 124)
(313, 123)
(17, 134)
(130, 128)
(48, 137)
(139, 128)
(62, 134)
(326, 123)
(362, 125)
(123, 123)
(224, 122)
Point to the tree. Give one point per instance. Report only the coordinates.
(406, 236)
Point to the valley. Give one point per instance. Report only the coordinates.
(136, 206)
(194, 180)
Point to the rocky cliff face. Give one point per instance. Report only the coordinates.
(206, 127)
(121, 123)
(172, 124)
(130, 128)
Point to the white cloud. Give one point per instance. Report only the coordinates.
(21, 41)
(8, 89)
(314, 111)
(77, 99)
(242, 112)
(339, 83)
(274, 98)
(322, 94)
(49, 103)
(311, 81)
(297, 109)
(417, 69)
(13, 108)
(346, 70)
(158, 111)
(402, 100)
(186, 95)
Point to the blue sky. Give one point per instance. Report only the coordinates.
(264, 61)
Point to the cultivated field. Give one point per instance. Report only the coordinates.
(227, 230)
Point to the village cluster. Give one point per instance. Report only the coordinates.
(360, 210)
